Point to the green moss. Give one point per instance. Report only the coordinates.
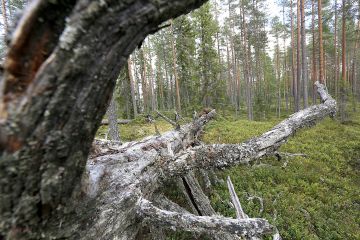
(313, 197)
(136, 130)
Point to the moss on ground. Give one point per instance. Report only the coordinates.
(313, 197)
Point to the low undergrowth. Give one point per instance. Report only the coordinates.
(311, 197)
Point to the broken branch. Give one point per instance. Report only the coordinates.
(226, 155)
(202, 224)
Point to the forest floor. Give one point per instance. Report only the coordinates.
(316, 196)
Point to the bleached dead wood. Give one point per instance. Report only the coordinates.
(240, 214)
(198, 199)
(119, 121)
(116, 181)
(175, 124)
(202, 224)
(225, 155)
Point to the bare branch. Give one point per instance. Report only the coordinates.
(167, 119)
(119, 121)
(240, 214)
(202, 224)
(226, 155)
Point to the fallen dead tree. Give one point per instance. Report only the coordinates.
(59, 73)
(119, 121)
(122, 184)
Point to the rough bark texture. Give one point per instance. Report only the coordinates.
(321, 48)
(224, 155)
(202, 224)
(51, 102)
(113, 133)
(119, 121)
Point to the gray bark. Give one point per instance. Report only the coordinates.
(230, 154)
(119, 121)
(240, 214)
(132, 87)
(202, 224)
(113, 132)
(51, 104)
(304, 65)
(59, 74)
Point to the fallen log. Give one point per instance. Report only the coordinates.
(119, 121)
(116, 183)
(226, 155)
(109, 203)
(202, 224)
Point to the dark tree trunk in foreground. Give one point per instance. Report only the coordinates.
(57, 81)
(59, 74)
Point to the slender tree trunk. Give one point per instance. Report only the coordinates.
(314, 70)
(132, 87)
(228, 69)
(152, 96)
(294, 76)
(178, 102)
(304, 56)
(298, 61)
(277, 61)
(343, 64)
(144, 87)
(113, 133)
(336, 61)
(247, 77)
(168, 95)
(321, 48)
(286, 72)
(233, 61)
(3, 8)
(355, 60)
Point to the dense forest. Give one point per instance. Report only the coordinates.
(235, 56)
(103, 107)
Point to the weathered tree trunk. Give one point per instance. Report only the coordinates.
(58, 78)
(343, 86)
(336, 78)
(51, 108)
(298, 56)
(304, 55)
(3, 9)
(321, 48)
(144, 83)
(293, 61)
(314, 70)
(177, 86)
(113, 133)
(132, 86)
(119, 121)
